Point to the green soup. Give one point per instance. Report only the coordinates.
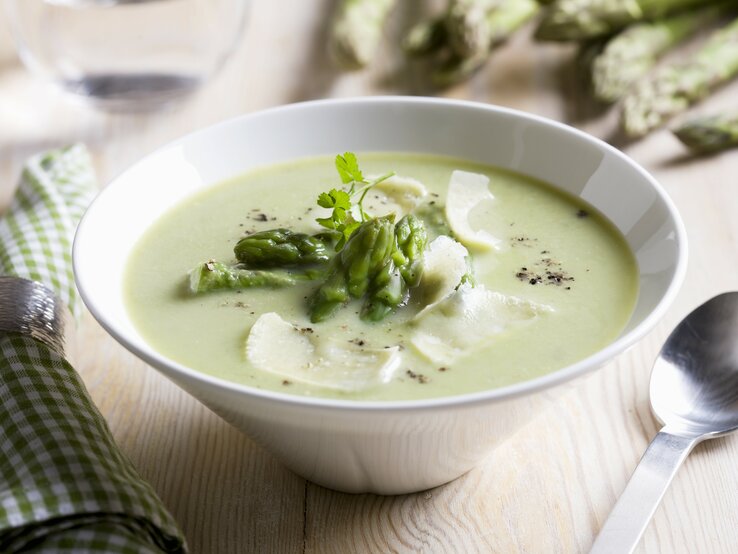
(553, 251)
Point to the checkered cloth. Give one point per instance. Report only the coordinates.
(64, 484)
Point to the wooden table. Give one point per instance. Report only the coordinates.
(549, 487)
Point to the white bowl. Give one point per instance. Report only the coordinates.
(381, 447)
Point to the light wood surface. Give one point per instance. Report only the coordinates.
(545, 490)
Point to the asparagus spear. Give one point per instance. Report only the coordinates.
(330, 295)
(357, 30)
(281, 248)
(411, 240)
(468, 33)
(380, 260)
(212, 275)
(673, 88)
(710, 134)
(631, 54)
(365, 253)
(389, 290)
(390, 287)
(467, 56)
(582, 19)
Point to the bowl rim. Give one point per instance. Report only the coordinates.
(173, 369)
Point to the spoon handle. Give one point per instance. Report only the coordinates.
(635, 507)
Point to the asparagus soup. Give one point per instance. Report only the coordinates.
(409, 277)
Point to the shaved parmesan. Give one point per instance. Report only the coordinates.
(277, 346)
(467, 320)
(396, 194)
(444, 265)
(466, 191)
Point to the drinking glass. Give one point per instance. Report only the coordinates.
(126, 53)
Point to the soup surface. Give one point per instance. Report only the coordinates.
(560, 278)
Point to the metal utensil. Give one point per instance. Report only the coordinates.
(694, 392)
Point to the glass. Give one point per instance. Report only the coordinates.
(126, 53)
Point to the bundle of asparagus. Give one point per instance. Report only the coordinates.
(674, 87)
(631, 54)
(624, 39)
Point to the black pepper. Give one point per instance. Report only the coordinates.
(419, 377)
(546, 270)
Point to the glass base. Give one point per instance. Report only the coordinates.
(131, 91)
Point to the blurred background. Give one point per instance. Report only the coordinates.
(280, 52)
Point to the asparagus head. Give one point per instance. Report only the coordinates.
(357, 30)
(365, 253)
(468, 32)
(281, 248)
(710, 134)
(471, 48)
(380, 261)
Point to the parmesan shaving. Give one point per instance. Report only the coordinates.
(467, 320)
(397, 194)
(466, 191)
(444, 265)
(277, 346)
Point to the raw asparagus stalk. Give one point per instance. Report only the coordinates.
(710, 134)
(281, 248)
(582, 19)
(468, 32)
(212, 275)
(674, 87)
(631, 54)
(357, 30)
(496, 27)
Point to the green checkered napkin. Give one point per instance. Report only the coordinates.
(64, 485)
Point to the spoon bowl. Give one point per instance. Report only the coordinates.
(694, 383)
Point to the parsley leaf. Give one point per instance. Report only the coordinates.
(325, 200)
(346, 216)
(348, 168)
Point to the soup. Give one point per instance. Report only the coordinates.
(515, 280)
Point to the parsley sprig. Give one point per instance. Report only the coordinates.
(347, 216)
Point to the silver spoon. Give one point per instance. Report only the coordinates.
(694, 392)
